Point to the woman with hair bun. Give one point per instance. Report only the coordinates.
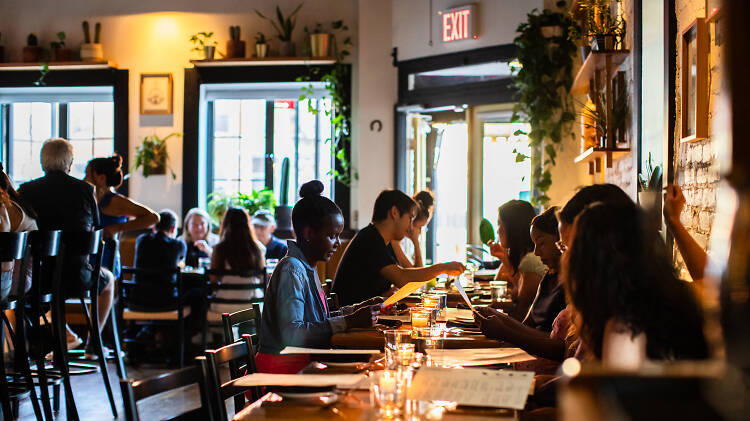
(295, 312)
(117, 213)
(425, 204)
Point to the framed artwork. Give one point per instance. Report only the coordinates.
(156, 93)
(694, 82)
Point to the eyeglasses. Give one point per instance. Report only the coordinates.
(561, 246)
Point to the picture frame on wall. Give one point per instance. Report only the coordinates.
(156, 93)
(694, 82)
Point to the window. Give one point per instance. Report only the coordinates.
(84, 116)
(254, 127)
(503, 177)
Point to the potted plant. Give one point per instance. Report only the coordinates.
(261, 47)
(152, 155)
(204, 42)
(283, 212)
(284, 27)
(219, 202)
(318, 41)
(235, 47)
(32, 52)
(91, 50)
(603, 31)
(59, 52)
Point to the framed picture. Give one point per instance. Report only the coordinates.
(694, 82)
(156, 93)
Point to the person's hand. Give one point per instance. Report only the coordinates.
(453, 268)
(497, 250)
(490, 321)
(203, 246)
(363, 317)
(674, 203)
(414, 234)
(371, 302)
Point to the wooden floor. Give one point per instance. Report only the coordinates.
(91, 398)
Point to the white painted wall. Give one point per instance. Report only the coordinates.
(498, 20)
(375, 97)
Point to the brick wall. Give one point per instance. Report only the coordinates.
(695, 169)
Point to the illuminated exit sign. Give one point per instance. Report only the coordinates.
(458, 23)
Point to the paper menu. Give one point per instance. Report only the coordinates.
(299, 350)
(306, 380)
(471, 386)
(403, 292)
(461, 291)
(478, 356)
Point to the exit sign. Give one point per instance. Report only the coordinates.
(458, 23)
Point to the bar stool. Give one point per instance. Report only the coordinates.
(90, 245)
(13, 247)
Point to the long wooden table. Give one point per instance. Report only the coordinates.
(355, 405)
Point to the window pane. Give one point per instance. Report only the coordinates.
(226, 158)
(104, 147)
(325, 156)
(226, 118)
(24, 166)
(500, 164)
(21, 120)
(82, 154)
(41, 121)
(253, 144)
(81, 120)
(306, 151)
(284, 128)
(225, 186)
(104, 126)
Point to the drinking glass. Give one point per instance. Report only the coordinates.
(388, 392)
(421, 317)
(499, 289)
(396, 342)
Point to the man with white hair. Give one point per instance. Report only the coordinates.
(66, 203)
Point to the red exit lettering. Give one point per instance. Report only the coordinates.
(456, 25)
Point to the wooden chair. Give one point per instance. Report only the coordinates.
(240, 352)
(131, 312)
(237, 319)
(90, 244)
(136, 390)
(214, 318)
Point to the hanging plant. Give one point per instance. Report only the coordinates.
(152, 155)
(543, 77)
(340, 112)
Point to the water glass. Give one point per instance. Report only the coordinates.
(388, 392)
(421, 317)
(499, 290)
(396, 341)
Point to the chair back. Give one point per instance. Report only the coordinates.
(136, 390)
(82, 242)
(214, 288)
(13, 245)
(45, 247)
(240, 352)
(127, 286)
(45, 243)
(238, 318)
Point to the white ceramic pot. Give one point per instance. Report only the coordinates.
(92, 52)
(261, 50)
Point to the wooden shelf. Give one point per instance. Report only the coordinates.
(268, 61)
(60, 65)
(593, 157)
(597, 60)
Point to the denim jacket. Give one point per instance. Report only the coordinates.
(293, 312)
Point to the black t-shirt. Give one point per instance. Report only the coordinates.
(358, 277)
(156, 251)
(549, 302)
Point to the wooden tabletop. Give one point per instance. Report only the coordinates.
(373, 339)
(355, 405)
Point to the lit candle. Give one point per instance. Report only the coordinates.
(405, 354)
(387, 382)
(420, 319)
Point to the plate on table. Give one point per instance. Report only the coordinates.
(310, 398)
(341, 358)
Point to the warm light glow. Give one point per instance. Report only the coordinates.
(165, 27)
(571, 367)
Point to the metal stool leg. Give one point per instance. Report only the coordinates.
(93, 320)
(39, 360)
(22, 357)
(4, 393)
(61, 353)
(116, 338)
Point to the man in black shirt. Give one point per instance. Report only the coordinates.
(158, 250)
(369, 265)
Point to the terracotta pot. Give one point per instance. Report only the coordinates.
(32, 54)
(235, 49)
(92, 52)
(286, 49)
(319, 45)
(261, 50)
(62, 54)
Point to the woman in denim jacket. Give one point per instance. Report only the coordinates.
(295, 312)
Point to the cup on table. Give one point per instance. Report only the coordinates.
(436, 301)
(499, 289)
(431, 338)
(468, 279)
(421, 317)
(388, 392)
(397, 343)
(204, 262)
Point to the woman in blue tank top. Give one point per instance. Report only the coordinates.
(117, 213)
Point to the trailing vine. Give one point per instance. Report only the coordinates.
(543, 79)
(340, 112)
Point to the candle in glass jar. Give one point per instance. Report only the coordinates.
(405, 353)
(420, 318)
(387, 382)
